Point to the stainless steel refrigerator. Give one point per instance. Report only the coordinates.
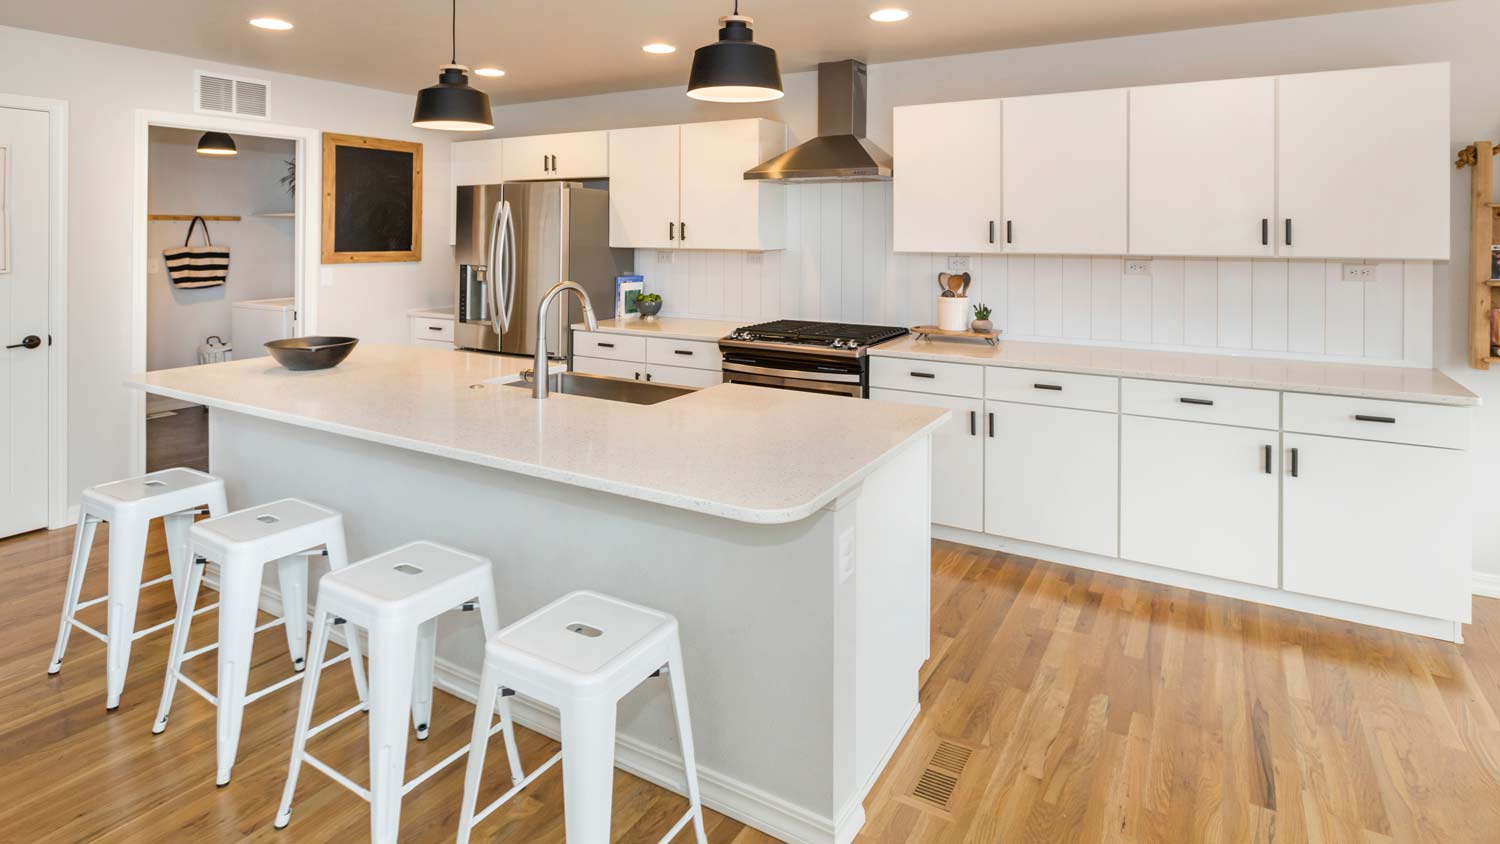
(517, 240)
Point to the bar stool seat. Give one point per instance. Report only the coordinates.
(397, 597)
(177, 497)
(581, 654)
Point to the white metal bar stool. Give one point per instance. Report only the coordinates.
(581, 654)
(242, 543)
(397, 597)
(176, 496)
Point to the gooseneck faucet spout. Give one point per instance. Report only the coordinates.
(539, 361)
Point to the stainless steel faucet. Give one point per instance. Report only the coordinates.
(539, 371)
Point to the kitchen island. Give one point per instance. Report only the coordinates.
(789, 534)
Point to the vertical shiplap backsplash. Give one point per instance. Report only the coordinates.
(838, 265)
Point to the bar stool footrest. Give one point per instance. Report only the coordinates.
(517, 788)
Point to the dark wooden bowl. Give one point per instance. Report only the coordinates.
(302, 353)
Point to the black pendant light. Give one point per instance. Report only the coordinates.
(451, 104)
(735, 69)
(216, 143)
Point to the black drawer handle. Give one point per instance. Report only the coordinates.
(1294, 462)
(1186, 400)
(1046, 386)
(1389, 420)
(434, 328)
(1268, 459)
(681, 352)
(992, 423)
(973, 422)
(923, 375)
(605, 345)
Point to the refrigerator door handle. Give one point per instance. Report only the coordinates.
(510, 265)
(490, 279)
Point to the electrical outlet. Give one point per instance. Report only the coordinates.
(1138, 268)
(754, 258)
(663, 257)
(846, 554)
(958, 263)
(1359, 272)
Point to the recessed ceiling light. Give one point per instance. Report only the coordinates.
(889, 15)
(659, 48)
(270, 23)
(489, 71)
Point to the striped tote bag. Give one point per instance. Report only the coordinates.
(197, 266)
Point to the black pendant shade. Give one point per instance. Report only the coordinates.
(216, 143)
(452, 105)
(735, 69)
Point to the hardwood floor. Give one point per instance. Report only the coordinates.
(1062, 705)
(178, 438)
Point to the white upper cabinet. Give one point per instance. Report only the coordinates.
(1364, 163)
(1203, 168)
(574, 155)
(1064, 173)
(947, 179)
(476, 162)
(643, 187)
(720, 208)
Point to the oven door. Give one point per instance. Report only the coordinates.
(785, 376)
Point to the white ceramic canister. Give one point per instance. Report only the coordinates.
(953, 313)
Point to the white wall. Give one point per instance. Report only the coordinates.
(1460, 32)
(105, 86)
(261, 249)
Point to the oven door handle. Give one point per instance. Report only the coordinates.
(800, 385)
(793, 374)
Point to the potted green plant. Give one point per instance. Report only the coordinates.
(649, 304)
(981, 322)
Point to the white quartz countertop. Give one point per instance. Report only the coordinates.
(1341, 379)
(746, 453)
(431, 313)
(673, 328)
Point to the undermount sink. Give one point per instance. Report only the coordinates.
(609, 389)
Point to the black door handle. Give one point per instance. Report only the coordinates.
(648, 376)
(1007, 231)
(973, 422)
(683, 228)
(1265, 232)
(992, 423)
(992, 231)
(554, 164)
(1186, 400)
(30, 341)
(1288, 231)
(671, 231)
(1391, 420)
(545, 168)
(1294, 462)
(681, 352)
(1268, 459)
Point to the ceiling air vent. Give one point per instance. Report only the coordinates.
(216, 93)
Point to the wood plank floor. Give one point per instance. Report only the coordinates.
(1089, 707)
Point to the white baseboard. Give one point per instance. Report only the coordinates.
(1486, 584)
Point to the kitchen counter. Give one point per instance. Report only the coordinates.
(674, 328)
(739, 452)
(1341, 379)
(431, 313)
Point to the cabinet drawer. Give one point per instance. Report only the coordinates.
(612, 368)
(693, 354)
(683, 376)
(924, 376)
(1058, 389)
(1201, 403)
(595, 344)
(1373, 419)
(425, 328)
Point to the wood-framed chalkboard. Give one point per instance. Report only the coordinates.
(372, 200)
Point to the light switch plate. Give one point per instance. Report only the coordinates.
(1359, 272)
(1138, 267)
(846, 554)
(958, 263)
(663, 257)
(754, 258)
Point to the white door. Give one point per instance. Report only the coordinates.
(643, 187)
(1203, 168)
(947, 178)
(1051, 476)
(1200, 498)
(476, 162)
(24, 168)
(957, 458)
(1365, 162)
(720, 209)
(572, 155)
(1378, 524)
(1064, 168)
(683, 376)
(631, 369)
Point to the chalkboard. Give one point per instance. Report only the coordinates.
(372, 200)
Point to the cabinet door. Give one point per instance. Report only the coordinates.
(720, 209)
(476, 162)
(1051, 476)
(1203, 168)
(643, 187)
(574, 155)
(1064, 165)
(683, 376)
(957, 458)
(1200, 498)
(1379, 524)
(1364, 163)
(613, 368)
(947, 180)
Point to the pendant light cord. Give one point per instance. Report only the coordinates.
(455, 29)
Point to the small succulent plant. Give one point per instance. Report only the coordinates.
(981, 311)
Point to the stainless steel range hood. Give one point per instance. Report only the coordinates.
(840, 152)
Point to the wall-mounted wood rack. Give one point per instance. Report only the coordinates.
(187, 218)
(1484, 236)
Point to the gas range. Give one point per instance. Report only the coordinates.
(815, 357)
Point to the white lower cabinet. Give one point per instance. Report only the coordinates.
(693, 363)
(612, 368)
(683, 376)
(957, 458)
(1052, 475)
(1379, 524)
(1199, 497)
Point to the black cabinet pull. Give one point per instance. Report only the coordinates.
(671, 231)
(648, 376)
(922, 375)
(1294, 462)
(545, 168)
(682, 227)
(681, 352)
(1186, 400)
(554, 164)
(1265, 232)
(992, 231)
(1007, 231)
(434, 328)
(992, 423)
(1046, 386)
(1389, 420)
(605, 345)
(973, 422)
(637, 376)
(1288, 231)
(1268, 459)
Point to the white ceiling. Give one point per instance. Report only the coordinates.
(570, 48)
